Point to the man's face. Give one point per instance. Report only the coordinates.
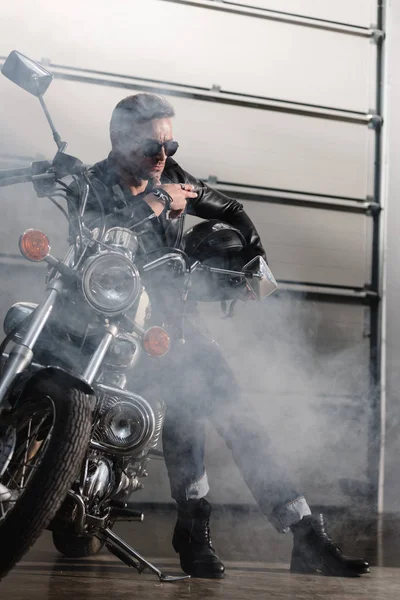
(130, 146)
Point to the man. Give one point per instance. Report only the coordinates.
(140, 184)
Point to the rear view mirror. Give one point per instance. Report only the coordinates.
(260, 278)
(29, 75)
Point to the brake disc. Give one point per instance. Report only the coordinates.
(8, 438)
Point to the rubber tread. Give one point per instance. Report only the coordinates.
(56, 472)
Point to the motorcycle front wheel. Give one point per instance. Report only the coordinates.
(42, 445)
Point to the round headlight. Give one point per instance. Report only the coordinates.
(127, 425)
(110, 283)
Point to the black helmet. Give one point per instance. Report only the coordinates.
(212, 239)
(219, 245)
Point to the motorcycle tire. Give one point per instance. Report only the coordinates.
(67, 415)
(74, 546)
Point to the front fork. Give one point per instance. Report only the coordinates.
(91, 370)
(22, 352)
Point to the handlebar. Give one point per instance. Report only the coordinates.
(42, 171)
(26, 179)
(182, 259)
(172, 256)
(21, 171)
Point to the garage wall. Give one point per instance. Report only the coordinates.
(312, 357)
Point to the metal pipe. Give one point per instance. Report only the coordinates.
(15, 172)
(279, 15)
(21, 354)
(327, 293)
(184, 86)
(385, 149)
(212, 180)
(215, 95)
(228, 98)
(4, 182)
(56, 136)
(84, 200)
(92, 368)
(376, 422)
(40, 316)
(345, 289)
(129, 555)
(219, 271)
(163, 260)
(356, 207)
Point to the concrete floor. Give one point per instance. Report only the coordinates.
(242, 541)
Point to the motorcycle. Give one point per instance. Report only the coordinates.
(74, 440)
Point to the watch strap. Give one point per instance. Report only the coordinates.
(163, 197)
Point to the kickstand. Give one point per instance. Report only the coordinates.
(130, 557)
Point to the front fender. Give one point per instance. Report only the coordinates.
(62, 376)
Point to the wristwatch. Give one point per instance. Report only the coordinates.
(163, 197)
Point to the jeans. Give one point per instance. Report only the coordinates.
(197, 383)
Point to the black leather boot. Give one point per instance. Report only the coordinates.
(315, 552)
(192, 540)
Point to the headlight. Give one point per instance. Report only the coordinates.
(126, 426)
(123, 425)
(110, 283)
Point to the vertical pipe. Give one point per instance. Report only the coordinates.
(383, 262)
(375, 417)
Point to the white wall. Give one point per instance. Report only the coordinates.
(322, 346)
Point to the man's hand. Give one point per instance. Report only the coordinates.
(179, 193)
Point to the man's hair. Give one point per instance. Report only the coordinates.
(138, 109)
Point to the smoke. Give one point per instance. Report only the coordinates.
(311, 397)
(296, 361)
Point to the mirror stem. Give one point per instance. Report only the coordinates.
(56, 136)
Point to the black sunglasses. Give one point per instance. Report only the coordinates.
(152, 148)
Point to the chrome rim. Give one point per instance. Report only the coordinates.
(25, 438)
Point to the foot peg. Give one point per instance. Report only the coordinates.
(126, 514)
(130, 557)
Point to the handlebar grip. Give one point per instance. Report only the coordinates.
(12, 180)
(26, 179)
(20, 172)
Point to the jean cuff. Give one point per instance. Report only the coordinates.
(191, 491)
(283, 517)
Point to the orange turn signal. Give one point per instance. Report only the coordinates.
(34, 245)
(156, 341)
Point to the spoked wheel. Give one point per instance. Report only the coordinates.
(42, 445)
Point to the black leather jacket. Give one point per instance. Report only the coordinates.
(122, 208)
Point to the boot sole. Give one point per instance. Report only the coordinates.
(193, 573)
(193, 576)
(197, 575)
(306, 570)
